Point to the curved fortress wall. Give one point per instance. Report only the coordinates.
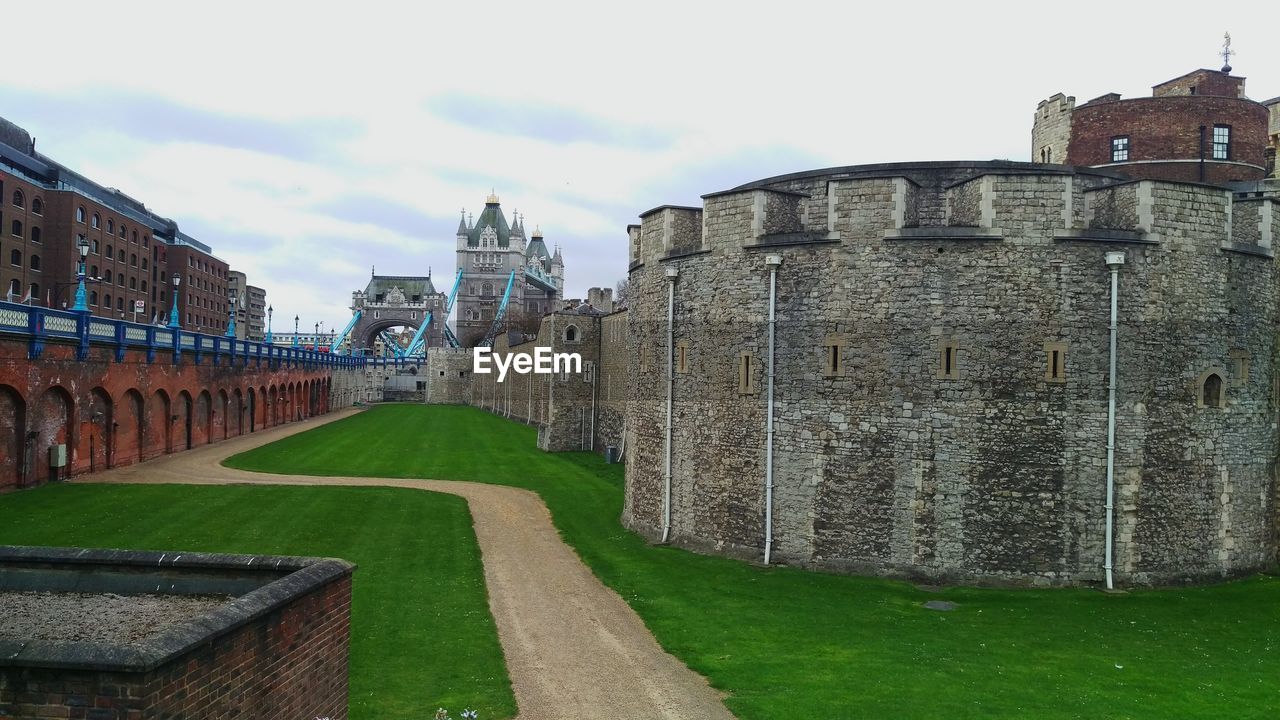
(991, 469)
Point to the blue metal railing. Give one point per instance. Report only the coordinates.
(40, 325)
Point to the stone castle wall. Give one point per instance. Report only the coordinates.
(990, 470)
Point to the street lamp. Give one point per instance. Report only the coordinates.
(295, 331)
(269, 311)
(231, 314)
(81, 297)
(173, 314)
(315, 339)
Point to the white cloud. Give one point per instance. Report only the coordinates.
(327, 150)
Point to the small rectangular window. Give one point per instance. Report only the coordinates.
(1055, 362)
(948, 359)
(746, 374)
(1120, 148)
(1239, 367)
(682, 357)
(833, 359)
(1221, 142)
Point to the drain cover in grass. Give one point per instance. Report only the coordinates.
(943, 605)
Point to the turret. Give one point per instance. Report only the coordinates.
(463, 230)
(557, 271)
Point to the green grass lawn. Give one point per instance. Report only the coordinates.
(421, 633)
(793, 644)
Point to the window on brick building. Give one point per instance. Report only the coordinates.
(16, 227)
(121, 256)
(120, 279)
(121, 229)
(92, 246)
(15, 257)
(133, 261)
(106, 301)
(18, 199)
(95, 221)
(34, 290)
(1221, 142)
(35, 234)
(120, 304)
(133, 283)
(80, 214)
(15, 288)
(34, 262)
(1120, 148)
(37, 206)
(111, 225)
(93, 297)
(93, 271)
(111, 252)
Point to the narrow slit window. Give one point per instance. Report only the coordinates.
(1239, 367)
(1055, 354)
(949, 360)
(746, 374)
(682, 356)
(833, 356)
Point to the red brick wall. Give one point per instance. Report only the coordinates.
(1168, 128)
(112, 414)
(290, 664)
(1205, 82)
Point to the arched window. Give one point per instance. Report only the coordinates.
(15, 257)
(35, 262)
(144, 263)
(16, 228)
(93, 271)
(111, 225)
(1211, 391)
(120, 304)
(111, 253)
(133, 261)
(144, 286)
(121, 257)
(37, 206)
(146, 241)
(133, 283)
(96, 221)
(35, 291)
(486, 289)
(80, 214)
(120, 279)
(15, 288)
(95, 247)
(121, 229)
(93, 297)
(35, 234)
(135, 236)
(18, 199)
(571, 334)
(106, 301)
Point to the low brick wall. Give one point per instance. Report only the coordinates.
(275, 652)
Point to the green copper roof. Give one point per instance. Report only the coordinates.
(410, 286)
(491, 217)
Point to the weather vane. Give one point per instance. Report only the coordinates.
(1227, 52)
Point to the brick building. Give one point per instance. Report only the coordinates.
(47, 209)
(1199, 127)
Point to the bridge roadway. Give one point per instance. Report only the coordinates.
(573, 647)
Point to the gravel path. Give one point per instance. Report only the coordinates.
(573, 647)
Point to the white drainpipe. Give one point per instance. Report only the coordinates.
(672, 272)
(1114, 261)
(773, 261)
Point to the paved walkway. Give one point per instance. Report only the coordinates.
(573, 647)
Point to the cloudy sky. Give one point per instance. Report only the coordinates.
(308, 142)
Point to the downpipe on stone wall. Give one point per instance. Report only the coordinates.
(773, 261)
(1114, 261)
(672, 273)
